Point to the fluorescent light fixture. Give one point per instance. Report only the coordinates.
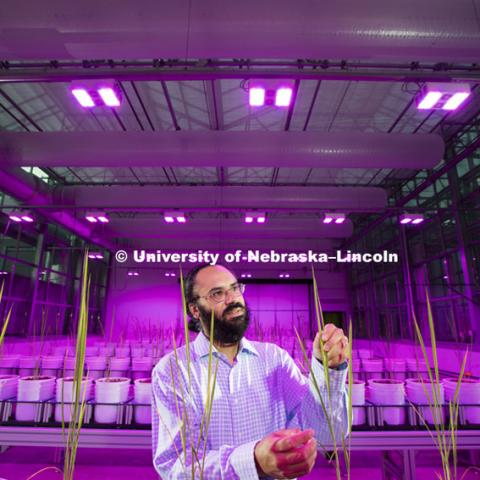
(3, 272)
(21, 216)
(94, 217)
(456, 100)
(411, 218)
(337, 218)
(444, 96)
(284, 275)
(259, 217)
(83, 97)
(95, 255)
(283, 97)
(169, 274)
(132, 274)
(246, 275)
(109, 96)
(171, 217)
(256, 96)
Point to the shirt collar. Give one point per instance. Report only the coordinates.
(201, 346)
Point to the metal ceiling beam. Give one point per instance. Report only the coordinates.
(46, 74)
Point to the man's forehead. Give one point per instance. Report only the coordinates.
(213, 276)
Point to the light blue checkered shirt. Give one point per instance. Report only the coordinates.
(264, 391)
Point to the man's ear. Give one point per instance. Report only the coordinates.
(192, 307)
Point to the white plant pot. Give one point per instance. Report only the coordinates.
(141, 367)
(418, 393)
(9, 364)
(27, 365)
(143, 395)
(137, 351)
(373, 368)
(119, 366)
(33, 389)
(91, 351)
(112, 390)
(106, 351)
(122, 352)
(388, 392)
(358, 402)
(356, 368)
(364, 353)
(416, 367)
(8, 386)
(469, 394)
(396, 367)
(60, 351)
(68, 367)
(52, 365)
(65, 396)
(96, 366)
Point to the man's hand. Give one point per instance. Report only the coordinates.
(287, 453)
(335, 345)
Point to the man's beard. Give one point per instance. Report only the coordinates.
(226, 330)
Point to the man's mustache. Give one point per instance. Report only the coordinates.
(232, 307)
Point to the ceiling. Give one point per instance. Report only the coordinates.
(367, 85)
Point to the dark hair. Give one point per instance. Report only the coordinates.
(190, 297)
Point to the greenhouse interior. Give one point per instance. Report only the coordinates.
(240, 243)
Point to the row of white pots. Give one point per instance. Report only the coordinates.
(96, 365)
(109, 393)
(392, 395)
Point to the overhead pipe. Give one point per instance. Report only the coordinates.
(431, 30)
(28, 190)
(217, 198)
(221, 149)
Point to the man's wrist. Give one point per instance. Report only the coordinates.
(342, 366)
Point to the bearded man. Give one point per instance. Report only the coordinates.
(266, 419)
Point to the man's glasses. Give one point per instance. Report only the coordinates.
(219, 294)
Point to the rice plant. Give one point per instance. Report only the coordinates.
(444, 436)
(194, 446)
(325, 409)
(79, 401)
(6, 321)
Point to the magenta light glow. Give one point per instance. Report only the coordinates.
(259, 217)
(103, 219)
(15, 218)
(256, 96)
(3, 272)
(109, 97)
(446, 96)
(430, 99)
(171, 217)
(283, 97)
(338, 218)
(91, 255)
(132, 274)
(27, 218)
(169, 274)
(91, 219)
(83, 97)
(456, 100)
(246, 275)
(411, 218)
